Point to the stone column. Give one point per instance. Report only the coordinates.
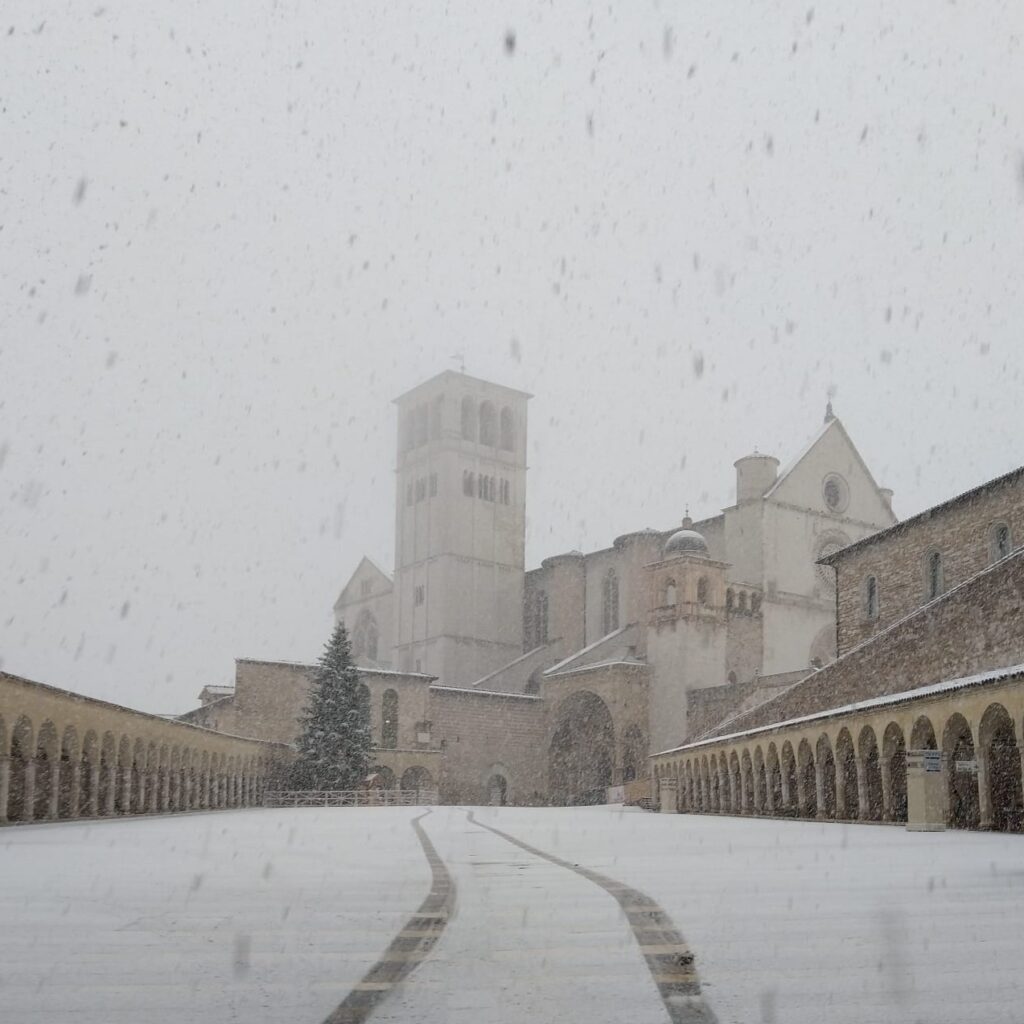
(154, 790)
(140, 796)
(784, 785)
(842, 811)
(112, 790)
(984, 790)
(126, 791)
(5, 786)
(886, 770)
(94, 790)
(174, 796)
(53, 808)
(769, 797)
(863, 810)
(801, 796)
(76, 790)
(819, 788)
(29, 791)
(743, 791)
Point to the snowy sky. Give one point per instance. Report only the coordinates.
(231, 233)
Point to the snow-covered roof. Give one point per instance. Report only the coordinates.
(558, 666)
(592, 666)
(933, 689)
(898, 528)
(486, 693)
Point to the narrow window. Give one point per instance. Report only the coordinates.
(730, 598)
(741, 604)
(468, 484)
(1000, 541)
(702, 591)
(610, 595)
(670, 594)
(871, 598)
(934, 582)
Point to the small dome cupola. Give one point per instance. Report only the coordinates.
(686, 541)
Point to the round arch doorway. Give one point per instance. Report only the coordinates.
(497, 790)
(581, 755)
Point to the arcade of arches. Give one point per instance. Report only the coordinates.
(852, 767)
(65, 756)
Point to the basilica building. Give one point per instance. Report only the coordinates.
(492, 682)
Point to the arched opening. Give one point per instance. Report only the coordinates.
(735, 786)
(468, 410)
(389, 720)
(748, 783)
(730, 600)
(894, 752)
(871, 597)
(922, 736)
(488, 424)
(760, 783)
(581, 754)
(958, 748)
(384, 777)
(497, 790)
(670, 594)
(867, 747)
(827, 767)
(69, 775)
(1002, 757)
(847, 799)
(416, 780)
(365, 636)
(632, 753)
(21, 798)
(702, 591)
(1000, 542)
(47, 772)
(808, 807)
(508, 431)
(108, 775)
(775, 801)
(790, 788)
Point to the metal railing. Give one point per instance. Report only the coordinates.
(349, 797)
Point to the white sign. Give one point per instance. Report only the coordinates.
(931, 760)
(967, 767)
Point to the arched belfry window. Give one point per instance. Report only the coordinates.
(507, 430)
(488, 424)
(468, 419)
(610, 602)
(389, 720)
(933, 575)
(702, 590)
(871, 597)
(365, 636)
(670, 594)
(436, 415)
(730, 599)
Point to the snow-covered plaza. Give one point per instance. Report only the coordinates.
(266, 915)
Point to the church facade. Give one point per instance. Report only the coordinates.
(495, 683)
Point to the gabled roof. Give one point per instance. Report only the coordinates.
(830, 424)
(898, 528)
(375, 570)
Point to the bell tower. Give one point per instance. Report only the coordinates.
(460, 527)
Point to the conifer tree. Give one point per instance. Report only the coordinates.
(334, 747)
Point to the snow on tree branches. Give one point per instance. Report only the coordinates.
(334, 747)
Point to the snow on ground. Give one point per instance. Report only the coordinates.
(804, 923)
(271, 915)
(257, 915)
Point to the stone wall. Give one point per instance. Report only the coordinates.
(484, 734)
(977, 627)
(961, 531)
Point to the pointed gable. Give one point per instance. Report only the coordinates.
(376, 582)
(830, 475)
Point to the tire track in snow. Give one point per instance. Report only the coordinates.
(410, 947)
(664, 949)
